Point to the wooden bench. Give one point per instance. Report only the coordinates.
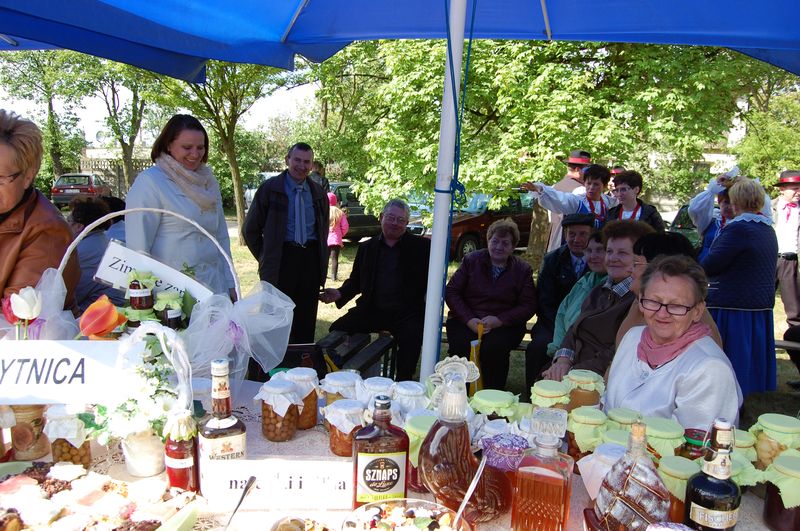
(360, 352)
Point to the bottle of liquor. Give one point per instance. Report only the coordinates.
(712, 498)
(380, 458)
(221, 437)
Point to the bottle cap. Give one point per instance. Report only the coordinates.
(219, 367)
(382, 402)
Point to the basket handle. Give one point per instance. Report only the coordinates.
(91, 226)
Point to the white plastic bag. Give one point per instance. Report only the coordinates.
(53, 322)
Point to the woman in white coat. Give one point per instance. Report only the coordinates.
(181, 182)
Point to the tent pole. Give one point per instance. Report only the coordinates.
(441, 204)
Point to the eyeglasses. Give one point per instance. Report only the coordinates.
(394, 219)
(672, 309)
(8, 179)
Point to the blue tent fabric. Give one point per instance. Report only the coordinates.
(176, 37)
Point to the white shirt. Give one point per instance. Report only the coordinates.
(694, 388)
(786, 229)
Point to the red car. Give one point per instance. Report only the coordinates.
(72, 185)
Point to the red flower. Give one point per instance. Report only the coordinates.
(8, 313)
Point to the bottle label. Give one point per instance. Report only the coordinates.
(713, 519)
(220, 388)
(173, 462)
(174, 314)
(140, 292)
(380, 476)
(222, 449)
(719, 467)
(219, 424)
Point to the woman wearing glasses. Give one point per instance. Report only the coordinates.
(33, 233)
(671, 367)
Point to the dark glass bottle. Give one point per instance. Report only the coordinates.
(712, 498)
(380, 458)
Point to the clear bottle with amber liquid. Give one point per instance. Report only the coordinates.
(712, 498)
(544, 484)
(380, 458)
(222, 437)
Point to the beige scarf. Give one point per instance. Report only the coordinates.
(200, 186)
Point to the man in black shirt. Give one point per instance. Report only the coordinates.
(391, 274)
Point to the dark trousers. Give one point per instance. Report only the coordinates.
(536, 358)
(405, 327)
(334, 261)
(793, 334)
(790, 289)
(495, 349)
(299, 279)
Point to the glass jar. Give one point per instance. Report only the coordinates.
(692, 447)
(417, 428)
(504, 453)
(279, 410)
(664, 437)
(368, 388)
(745, 444)
(27, 437)
(63, 451)
(586, 388)
(782, 500)
(774, 433)
(140, 296)
(675, 471)
(338, 385)
(584, 429)
(306, 382)
(408, 396)
(495, 404)
(621, 418)
(549, 393)
(344, 418)
(619, 437)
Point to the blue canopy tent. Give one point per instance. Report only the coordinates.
(176, 37)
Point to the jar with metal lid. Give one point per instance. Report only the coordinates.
(338, 385)
(675, 471)
(782, 501)
(344, 418)
(745, 444)
(417, 428)
(621, 418)
(306, 383)
(692, 447)
(495, 404)
(664, 437)
(586, 388)
(619, 437)
(549, 393)
(774, 434)
(280, 409)
(584, 430)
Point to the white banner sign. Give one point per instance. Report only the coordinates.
(57, 372)
(118, 261)
(295, 483)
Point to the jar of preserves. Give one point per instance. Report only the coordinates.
(488, 429)
(782, 500)
(619, 437)
(774, 433)
(368, 388)
(306, 382)
(338, 385)
(408, 396)
(586, 388)
(549, 393)
(743, 473)
(621, 418)
(675, 471)
(280, 409)
(504, 453)
(417, 428)
(495, 404)
(745, 444)
(584, 429)
(68, 435)
(344, 418)
(64, 451)
(664, 437)
(692, 448)
(140, 295)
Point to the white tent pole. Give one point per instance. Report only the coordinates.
(441, 204)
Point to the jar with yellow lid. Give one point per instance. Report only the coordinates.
(417, 428)
(664, 437)
(745, 444)
(586, 388)
(619, 437)
(549, 393)
(675, 471)
(306, 381)
(338, 385)
(585, 427)
(743, 473)
(774, 434)
(344, 418)
(621, 418)
(495, 404)
(782, 500)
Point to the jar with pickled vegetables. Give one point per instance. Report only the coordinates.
(417, 428)
(745, 444)
(621, 418)
(344, 418)
(549, 393)
(584, 430)
(674, 472)
(67, 433)
(692, 448)
(338, 385)
(782, 501)
(586, 388)
(280, 409)
(306, 382)
(774, 433)
(495, 404)
(664, 437)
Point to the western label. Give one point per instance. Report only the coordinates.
(380, 476)
(227, 448)
(173, 462)
(140, 292)
(220, 388)
(713, 519)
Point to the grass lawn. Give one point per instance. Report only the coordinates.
(784, 400)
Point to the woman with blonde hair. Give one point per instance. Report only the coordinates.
(338, 227)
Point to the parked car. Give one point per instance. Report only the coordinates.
(361, 224)
(683, 224)
(72, 185)
(470, 223)
(252, 186)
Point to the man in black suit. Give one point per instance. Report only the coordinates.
(560, 270)
(391, 274)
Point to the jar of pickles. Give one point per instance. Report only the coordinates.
(621, 418)
(675, 471)
(495, 404)
(774, 433)
(417, 428)
(584, 429)
(664, 437)
(692, 448)
(338, 385)
(280, 409)
(745, 444)
(344, 418)
(306, 382)
(586, 388)
(782, 501)
(549, 393)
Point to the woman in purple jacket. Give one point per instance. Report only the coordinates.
(493, 288)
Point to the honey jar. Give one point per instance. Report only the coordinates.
(549, 393)
(586, 388)
(280, 409)
(344, 418)
(664, 437)
(782, 500)
(621, 418)
(584, 431)
(417, 428)
(495, 404)
(774, 433)
(307, 383)
(675, 471)
(338, 385)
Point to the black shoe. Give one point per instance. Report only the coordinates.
(794, 384)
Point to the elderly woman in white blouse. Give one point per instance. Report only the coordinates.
(671, 367)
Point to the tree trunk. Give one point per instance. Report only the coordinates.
(540, 236)
(127, 164)
(229, 147)
(55, 139)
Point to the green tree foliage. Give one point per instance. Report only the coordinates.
(71, 143)
(252, 152)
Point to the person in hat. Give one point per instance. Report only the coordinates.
(628, 187)
(571, 183)
(560, 270)
(786, 220)
(612, 185)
